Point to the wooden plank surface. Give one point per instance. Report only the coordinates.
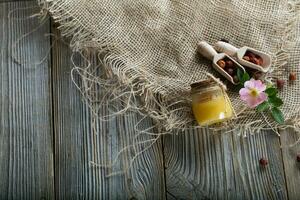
(79, 140)
(198, 164)
(3, 1)
(290, 150)
(203, 165)
(26, 157)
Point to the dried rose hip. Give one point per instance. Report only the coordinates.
(280, 83)
(247, 58)
(251, 57)
(221, 64)
(235, 79)
(230, 71)
(229, 63)
(298, 158)
(293, 76)
(263, 162)
(256, 61)
(261, 61)
(250, 54)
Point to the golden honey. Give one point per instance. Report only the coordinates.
(209, 103)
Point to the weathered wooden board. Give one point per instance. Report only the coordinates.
(26, 157)
(2, 1)
(291, 166)
(79, 140)
(199, 164)
(203, 165)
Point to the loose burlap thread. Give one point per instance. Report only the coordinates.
(144, 54)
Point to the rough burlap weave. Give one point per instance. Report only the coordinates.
(142, 53)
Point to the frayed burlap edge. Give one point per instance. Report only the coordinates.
(152, 103)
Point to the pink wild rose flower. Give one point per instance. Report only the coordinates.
(253, 93)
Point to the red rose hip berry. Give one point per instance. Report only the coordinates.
(229, 63)
(235, 79)
(263, 162)
(293, 76)
(230, 71)
(247, 58)
(280, 83)
(221, 63)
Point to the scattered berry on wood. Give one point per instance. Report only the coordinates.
(263, 162)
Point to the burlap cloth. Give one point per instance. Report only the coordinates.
(145, 52)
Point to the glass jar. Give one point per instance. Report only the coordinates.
(209, 103)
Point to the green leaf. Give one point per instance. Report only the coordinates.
(275, 101)
(271, 91)
(240, 74)
(277, 115)
(262, 107)
(246, 77)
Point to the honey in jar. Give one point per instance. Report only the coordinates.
(210, 103)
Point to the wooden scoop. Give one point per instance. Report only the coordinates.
(210, 53)
(231, 50)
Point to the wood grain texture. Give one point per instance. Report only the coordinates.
(26, 157)
(79, 139)
(291, 166)
(3, 1)
(203, 165)
(199, 165)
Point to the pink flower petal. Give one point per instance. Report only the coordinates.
(261, 98)
(249, 84)
(244, 92)
(257, 84)
(252, 102)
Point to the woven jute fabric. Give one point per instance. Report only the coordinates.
(145, 53)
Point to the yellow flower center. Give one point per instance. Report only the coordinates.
(254, 92)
